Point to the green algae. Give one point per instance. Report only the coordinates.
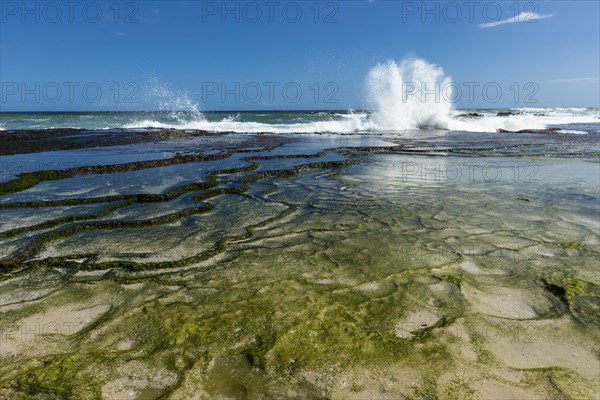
(574, 246)
(580, 296)
(56, 373)
(65, 220)
(568, 287)
(29, 179)
(310, 289)
(41, 240)
(37, 243)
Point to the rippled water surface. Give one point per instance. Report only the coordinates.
(438, 265)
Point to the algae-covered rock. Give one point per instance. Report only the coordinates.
(582, 297)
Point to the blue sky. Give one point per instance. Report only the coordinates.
(224, 55)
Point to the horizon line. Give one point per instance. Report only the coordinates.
(256, 111)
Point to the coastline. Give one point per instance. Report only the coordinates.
(306, 266)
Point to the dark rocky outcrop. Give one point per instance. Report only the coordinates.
(469, 115)
(535, 131)
(507, 114)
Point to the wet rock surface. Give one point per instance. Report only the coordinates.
(469, 115)
(286, 273)
(533, 131)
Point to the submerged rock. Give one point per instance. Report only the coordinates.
(503, 302)
(534, 131)
(416, 322)
(507, 114)
(580, 296)
(527, 347)
(469, 115)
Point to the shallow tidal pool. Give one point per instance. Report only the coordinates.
(342, 274)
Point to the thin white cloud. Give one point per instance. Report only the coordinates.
(526, 17)
(574, 80)
(158, 11)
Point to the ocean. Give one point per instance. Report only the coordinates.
(311, 122)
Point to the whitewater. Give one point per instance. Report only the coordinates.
(402, 98)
